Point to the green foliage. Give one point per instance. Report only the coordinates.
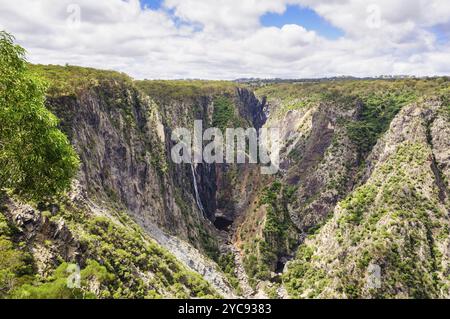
(59, 286)
(377, 112)
(272, 291)
(379, 102)
(123, 262)
(253, 267)
(278, 222)
(69, 80)
(391, 221)
(301, 278)
(12, 266)
(15, 263)
(162, 91)
(357, 203)
(380, 99)
(19, 281)
(227, 264)
(36, 159)
(208, 243)
(123, 251)
(445, 98)
(224, 113)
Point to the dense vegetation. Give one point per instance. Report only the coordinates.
(184, 90)
(380, 100)
(15, 264)
(125, 251)
(224, 113)
(69, 80)
(376, 112)
(117, 251)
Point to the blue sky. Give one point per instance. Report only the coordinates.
(442, 33)
(153, 4)
(304, 17)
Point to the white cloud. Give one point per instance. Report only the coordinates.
(224, 38)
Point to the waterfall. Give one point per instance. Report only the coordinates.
(197, 196)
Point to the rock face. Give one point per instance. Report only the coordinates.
(117, 133)
(223, 189)
(390, 237)
(359, 208)
(318, 168)
(321, 162)
(35, 229)
(196, 261)
(124, 142)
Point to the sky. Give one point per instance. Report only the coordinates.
(229, 39)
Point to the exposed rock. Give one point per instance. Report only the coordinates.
(403, 231)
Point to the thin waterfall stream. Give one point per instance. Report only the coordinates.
(197, 196)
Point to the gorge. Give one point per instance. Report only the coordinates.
(363, 180)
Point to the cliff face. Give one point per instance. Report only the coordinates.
(124, 141)
(223, 189)
(318, 165)
(120, 140)
(331, 143)
(396, 222)
(363, 183)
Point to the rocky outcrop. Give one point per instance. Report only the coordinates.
(195, 260)
(389, 238)
(49, 240)
(71, 231)
(320, 161)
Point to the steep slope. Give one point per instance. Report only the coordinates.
(328, 131)
(121, 142)
(116, 258)
(225, 190)
(363, 185)
(395, 225)
(216, 104)
(124, 141)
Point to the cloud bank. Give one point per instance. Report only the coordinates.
(224, 39)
